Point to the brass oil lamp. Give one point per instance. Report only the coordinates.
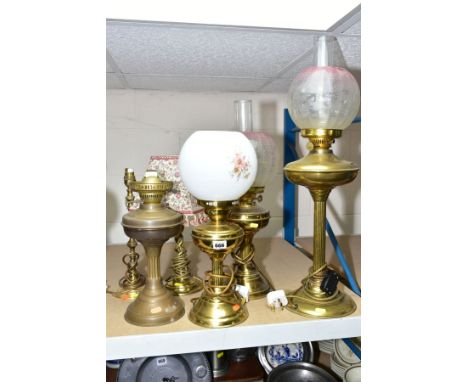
(323, 100)
(219, 305)
(152, 225)
(218, 167)
(250, 216)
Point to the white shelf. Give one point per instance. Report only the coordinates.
(282, 263)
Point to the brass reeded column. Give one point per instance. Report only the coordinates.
(219, 304)
(320, 171)
(152, 225)
(251, 218)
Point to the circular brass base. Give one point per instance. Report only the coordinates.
(215, 312)
(127, 284)
(305, 304)
(249, 276)
(182, 287)
(154, 307)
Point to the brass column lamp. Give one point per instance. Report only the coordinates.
(152, 225)
(323, 100)
(218, 167)
(251, 218)
(219, 305)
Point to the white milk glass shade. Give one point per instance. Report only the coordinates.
(324, 96)
(265, 148)
(217, 165)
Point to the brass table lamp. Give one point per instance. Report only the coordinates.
(181, 281)
(218, 167)
(152, 225)
(250, 216)
(323, 100)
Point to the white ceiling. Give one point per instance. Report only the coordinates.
(193, 57)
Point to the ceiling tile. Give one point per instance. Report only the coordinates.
(354, 29)
(351, 48)
(113, 82)
(280, 85)
(171, 49)
(194, 83)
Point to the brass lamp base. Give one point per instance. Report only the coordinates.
(154, 306)
(182, 282)
(192, 285)
(306, 304)
(218, 312)
(251, 277)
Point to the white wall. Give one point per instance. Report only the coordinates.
(142, 123)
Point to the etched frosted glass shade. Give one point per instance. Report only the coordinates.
(263, 143)
(324, 96)
(265, 148)
(217, 165)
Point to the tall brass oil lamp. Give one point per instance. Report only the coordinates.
(248, 214)
(218, 167)
(152, 225)
(323, 100)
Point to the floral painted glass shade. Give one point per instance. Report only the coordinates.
(179, 198)
(218, 165)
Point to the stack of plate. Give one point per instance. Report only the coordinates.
(353, 374)
(342, 358)
(326, 346)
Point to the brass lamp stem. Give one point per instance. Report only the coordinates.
(320, 207)
(154, 264)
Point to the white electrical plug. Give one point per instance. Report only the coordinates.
(277, 300)
(243, 291)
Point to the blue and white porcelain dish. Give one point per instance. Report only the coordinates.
(272, 356)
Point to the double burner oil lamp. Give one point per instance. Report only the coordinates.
(250, 216)
(323, 100)
(218, 167)
(152, 225)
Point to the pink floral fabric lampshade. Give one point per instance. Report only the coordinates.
(179, 198)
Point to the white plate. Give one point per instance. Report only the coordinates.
(352, 374)
(345, 354)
